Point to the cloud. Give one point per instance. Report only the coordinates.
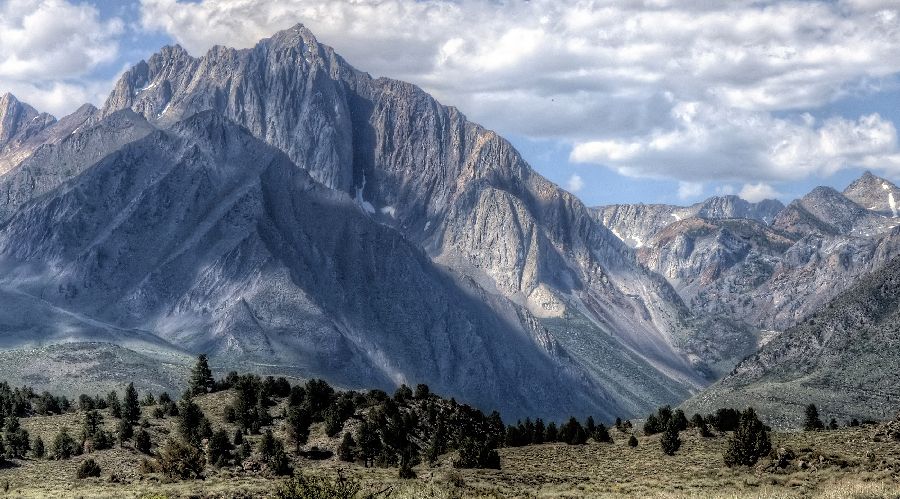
(757, 192)
(685, 90)
(47, 47)
(575, 183)
(689, 190)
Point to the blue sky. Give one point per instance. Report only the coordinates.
(629, 101)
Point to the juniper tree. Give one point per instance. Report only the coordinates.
(192, 423)
(125, 432)
(833, 424)
(15, 438)
(64, 446)
(218, 449)
(632, 441)
(601, 434)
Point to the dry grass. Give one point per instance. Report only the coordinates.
(854, 463)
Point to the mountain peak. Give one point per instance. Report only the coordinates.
(875, 194)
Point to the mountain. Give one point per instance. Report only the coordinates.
(635, 224)
(216, 242)
(843, 358)
(458, 191)
(23, 129)
(875, 194)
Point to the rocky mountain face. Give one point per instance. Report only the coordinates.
(843, 358)
(459, 191)
(276, 206)
(635, 224)
(23, 129)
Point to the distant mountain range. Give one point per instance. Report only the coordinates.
(286, 213)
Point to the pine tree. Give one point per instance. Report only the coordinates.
(590, 426)
(749, 442)
(812, 422)
(131, 409)
(369, 443)
(201, 377)
(670, 442)
(652, 425)
(15, 438)
(632, 441)
(833, 424)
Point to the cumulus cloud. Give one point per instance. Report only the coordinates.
(575, 183)
(689, 190)
(47, 46)
(684, 90)
(759, 191)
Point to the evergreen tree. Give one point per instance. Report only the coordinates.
(632, 441)
(749, 442)
(347, 449)
(16, 442)
(218, 450)
(201, 377)
(590, 426)
(679, 419)
(115, 406)
(601, 434)
(192, 423)
(271, 451)
(476, 454)
(148, 400)
(670, 442)
(64, 446)
(369, 442)
(618, 423)
(403, 394)
(539, 432)
(552, 433)
(652, 425)
(37, 448)
(298, 423)
(833, 424)
(812, 422)
(131, 409)
(422, 392)
(142, 441)
(125, 432)
(573, 433)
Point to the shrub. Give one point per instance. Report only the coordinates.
(88, 468)
(37, 448)
(301, 486)
(180, 460)
(632, 441)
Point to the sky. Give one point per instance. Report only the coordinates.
(652, 101)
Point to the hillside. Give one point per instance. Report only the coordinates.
(842, 358)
